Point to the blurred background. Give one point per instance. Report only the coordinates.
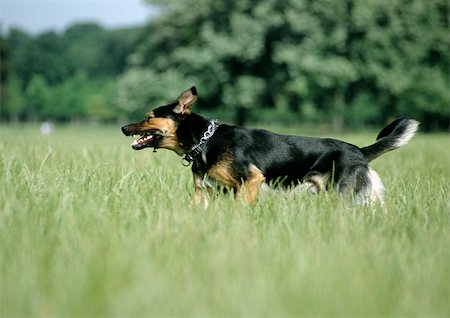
(342, 65)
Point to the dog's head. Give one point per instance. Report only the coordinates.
(159, 128)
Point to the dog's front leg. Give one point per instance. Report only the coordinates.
(199, 195)
(249, 189)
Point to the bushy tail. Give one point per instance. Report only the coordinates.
(393, 136)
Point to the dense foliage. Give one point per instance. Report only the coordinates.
(344, 63)
(66, 76)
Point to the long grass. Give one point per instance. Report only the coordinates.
(89, 227)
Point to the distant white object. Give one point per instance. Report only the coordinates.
(47, 128)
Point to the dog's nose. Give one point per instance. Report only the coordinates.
(125, 130)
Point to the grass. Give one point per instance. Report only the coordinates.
(89, 227)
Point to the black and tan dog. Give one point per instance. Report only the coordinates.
(243, 159)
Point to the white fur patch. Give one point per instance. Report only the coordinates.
(409, 132)
(376, 190)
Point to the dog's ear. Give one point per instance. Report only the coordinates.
(185, 100)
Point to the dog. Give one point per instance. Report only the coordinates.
(243, 159)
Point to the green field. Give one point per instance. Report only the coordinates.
(89, 227)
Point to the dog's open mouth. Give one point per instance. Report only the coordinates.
(146, 139)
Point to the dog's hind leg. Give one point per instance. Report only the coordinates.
(314, 182)
(373, 192)
(363, 184)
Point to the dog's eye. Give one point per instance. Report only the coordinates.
(149, 116)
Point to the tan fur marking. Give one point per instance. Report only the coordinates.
(185, 101)
(250, 187)
(246, 189)
(168, 128)
(221, 172)
(166, 125)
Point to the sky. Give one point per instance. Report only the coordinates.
(37, 16)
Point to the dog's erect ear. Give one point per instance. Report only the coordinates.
(185, 100)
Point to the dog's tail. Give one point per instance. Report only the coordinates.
(393, 136)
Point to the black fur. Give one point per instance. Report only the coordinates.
(283, 160)
(388, 137)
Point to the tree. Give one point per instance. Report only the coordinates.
(38, 97)
(14, 102)
(403, 48)
(63, 76)
(317, 59)
(219, 45)
(4, 69)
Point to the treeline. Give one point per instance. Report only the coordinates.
(345, 63)
(64, 76)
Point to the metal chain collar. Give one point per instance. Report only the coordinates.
(198, 148)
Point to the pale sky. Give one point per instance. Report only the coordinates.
(36, 16)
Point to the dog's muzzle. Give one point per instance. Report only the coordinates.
(146, 138)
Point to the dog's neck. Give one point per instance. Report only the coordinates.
(191, 129)
(198, 148)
